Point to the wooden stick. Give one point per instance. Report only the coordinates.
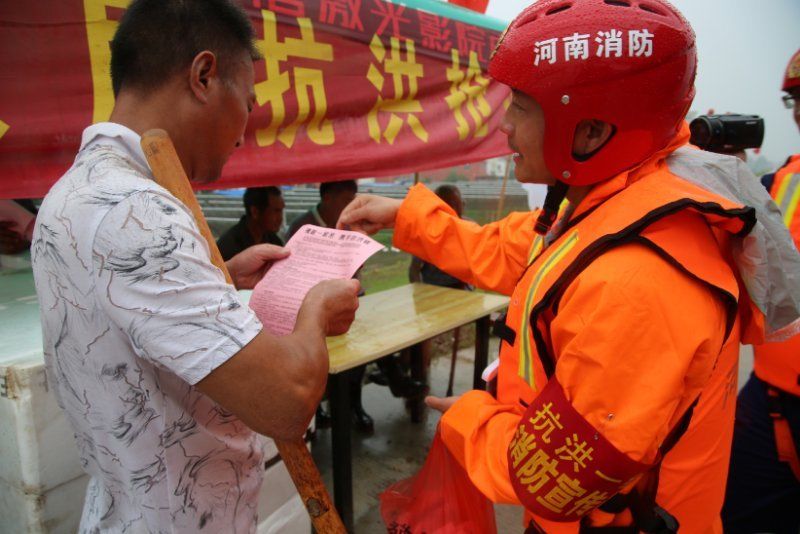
(169, 173)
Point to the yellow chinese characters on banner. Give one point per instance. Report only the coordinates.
(100, 31)
(403, 106)
(468, 91)
(272, 91)
(334, 77)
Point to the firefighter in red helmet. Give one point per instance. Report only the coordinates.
(764, 482)
(617, 371)
(791, 87)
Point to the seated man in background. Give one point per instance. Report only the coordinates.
(260, 223)
(428, 273)
(334, 196)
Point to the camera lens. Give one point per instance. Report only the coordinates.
(701, 132)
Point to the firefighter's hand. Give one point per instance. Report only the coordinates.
(369, 213)
(441, 404)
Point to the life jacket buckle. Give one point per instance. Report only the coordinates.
(669, 524)
(774, 405)
(503, 331)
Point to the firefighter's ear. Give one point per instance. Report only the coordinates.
(590, 136)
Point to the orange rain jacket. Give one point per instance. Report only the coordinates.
(778, 364)
(644, 326)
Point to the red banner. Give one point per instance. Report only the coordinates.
(348, 89)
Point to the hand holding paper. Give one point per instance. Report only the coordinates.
(317, 254)
(249, 266)
(332, 305)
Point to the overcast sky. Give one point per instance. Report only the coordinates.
(743, 49)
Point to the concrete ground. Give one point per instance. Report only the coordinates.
(398, 447)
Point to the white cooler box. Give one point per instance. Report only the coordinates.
(42, 485)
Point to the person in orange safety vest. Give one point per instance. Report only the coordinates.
(616, 385)
(764, 483)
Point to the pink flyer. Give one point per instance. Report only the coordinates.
(317, 254)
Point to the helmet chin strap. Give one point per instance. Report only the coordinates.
(555, 196)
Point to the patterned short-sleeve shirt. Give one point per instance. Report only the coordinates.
(133, 315)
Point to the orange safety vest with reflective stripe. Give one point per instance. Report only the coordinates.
(684, 224)
(786, 192)
(653, 212)
(778, 364)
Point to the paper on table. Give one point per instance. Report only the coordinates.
(317, 254)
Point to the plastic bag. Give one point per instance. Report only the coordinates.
(439, 499)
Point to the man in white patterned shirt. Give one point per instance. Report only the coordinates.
(164, 374)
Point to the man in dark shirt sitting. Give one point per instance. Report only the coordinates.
(334, 197)
(428, 273)
(261, 222)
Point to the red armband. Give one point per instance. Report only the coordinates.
(561, 468)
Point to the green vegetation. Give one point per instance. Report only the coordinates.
(385, 270)
(454, 177)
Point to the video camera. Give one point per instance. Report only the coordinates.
(727, 134)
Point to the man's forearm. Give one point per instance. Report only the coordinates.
(300, 378)
(273, 384)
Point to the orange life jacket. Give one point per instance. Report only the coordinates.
(638, 217)
(786, 192)
(652, 212)
(623, 219)
(687, 226)
(778, 364)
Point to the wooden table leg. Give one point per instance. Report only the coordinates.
(339, 397)
(481, 351)
(419, 371)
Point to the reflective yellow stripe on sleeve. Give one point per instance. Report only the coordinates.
(789, 197)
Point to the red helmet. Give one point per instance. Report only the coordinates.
(630, 63)
(792, 77)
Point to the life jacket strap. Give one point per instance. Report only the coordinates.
(787, 451)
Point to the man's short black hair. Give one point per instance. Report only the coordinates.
(337, 187)
(259, 197)
(157, 38)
